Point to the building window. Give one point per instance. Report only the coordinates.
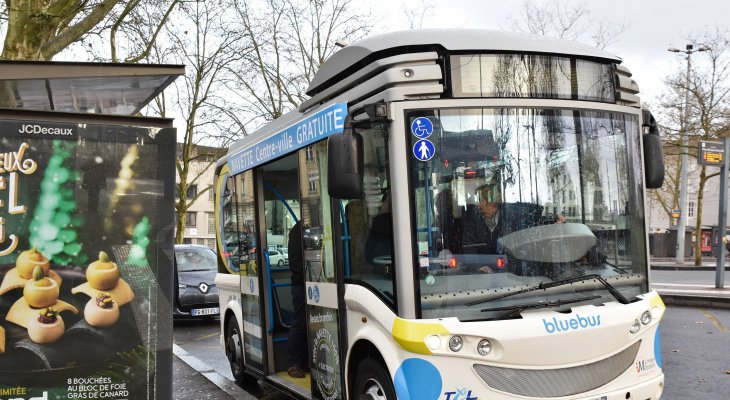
(190, 219)
(211, 193)
(691, 209)
(192, 191)
(313, 178)
(310, 153)
(211, 223)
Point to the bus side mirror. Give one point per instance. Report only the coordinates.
(345, 165)
(653, 161)
(653, 152)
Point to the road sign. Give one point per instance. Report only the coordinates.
(711, 153)
(675, 213)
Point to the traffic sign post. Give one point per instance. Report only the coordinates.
(713, 154)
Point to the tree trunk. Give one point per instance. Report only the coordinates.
(40, 30)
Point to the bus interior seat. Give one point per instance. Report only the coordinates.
(283, 316)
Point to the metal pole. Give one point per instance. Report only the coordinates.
(722, 223)
(682, 223)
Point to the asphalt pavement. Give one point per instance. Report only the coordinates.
(689, 285)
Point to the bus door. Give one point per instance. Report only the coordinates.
(322, 295)
(246, 259)
(281, 212)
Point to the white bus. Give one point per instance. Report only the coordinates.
(413, 290)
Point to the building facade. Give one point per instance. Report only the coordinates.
(199, 219)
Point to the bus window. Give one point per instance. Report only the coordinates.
(502, 178)
(369, 220)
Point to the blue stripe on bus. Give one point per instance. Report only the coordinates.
(300, 134)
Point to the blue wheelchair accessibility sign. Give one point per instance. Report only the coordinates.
(422, 127)
(424, 150)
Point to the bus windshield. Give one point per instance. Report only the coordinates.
(514, 198)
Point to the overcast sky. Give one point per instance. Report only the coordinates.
(653, 26)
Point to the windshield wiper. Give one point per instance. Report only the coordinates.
(546, 285)
(512, 310)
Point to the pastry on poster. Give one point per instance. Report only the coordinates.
(17, 277)
(28, 260)
(102, 311)
(103, 275)
(46, 327)
(40, 292)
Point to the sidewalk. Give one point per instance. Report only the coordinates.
(691, 293)
(194, 380)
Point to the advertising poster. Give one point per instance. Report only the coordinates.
(86, 223)
(324, 350)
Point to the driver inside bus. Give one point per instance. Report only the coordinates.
(482, 224)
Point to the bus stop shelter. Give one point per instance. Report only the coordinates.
(86, 206)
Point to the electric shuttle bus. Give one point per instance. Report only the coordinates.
(472, 217)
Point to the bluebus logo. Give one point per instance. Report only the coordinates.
(571, 324)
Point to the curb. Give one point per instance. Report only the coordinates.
(212, 375)
(695, 301)
(678, 268)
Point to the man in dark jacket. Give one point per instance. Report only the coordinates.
(296, 347)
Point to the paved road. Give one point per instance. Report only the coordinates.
(695, 352)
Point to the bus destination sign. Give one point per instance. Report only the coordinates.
(711, 153)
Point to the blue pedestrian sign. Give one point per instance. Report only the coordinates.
(424, 150)
(422, 127)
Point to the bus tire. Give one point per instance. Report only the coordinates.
(373, 381)
(234, 353)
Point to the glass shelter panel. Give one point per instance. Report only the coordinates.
(516, 197)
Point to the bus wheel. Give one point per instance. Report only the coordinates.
(234, 352)
(373, 382)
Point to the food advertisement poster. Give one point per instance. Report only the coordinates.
(85, 260)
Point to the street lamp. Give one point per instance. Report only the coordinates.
(682, 224)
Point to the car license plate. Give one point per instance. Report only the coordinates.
(205, 311)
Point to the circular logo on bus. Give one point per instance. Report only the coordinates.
(326, 364)
(316, 294)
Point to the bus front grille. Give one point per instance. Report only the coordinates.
(561, 381)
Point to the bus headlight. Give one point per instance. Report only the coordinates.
(433, 342)
(635, 326)
(456, 343)
(484, 347)
(646, 318)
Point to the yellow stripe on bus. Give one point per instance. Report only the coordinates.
(411, 335)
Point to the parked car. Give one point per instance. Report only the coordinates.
(277, 257)
(312, 237)
(196, 294)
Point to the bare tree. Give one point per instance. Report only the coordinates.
(565, 21)
(416, 14)
(203, 39)
(290, 39)
(709, 111)
(40, 30)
